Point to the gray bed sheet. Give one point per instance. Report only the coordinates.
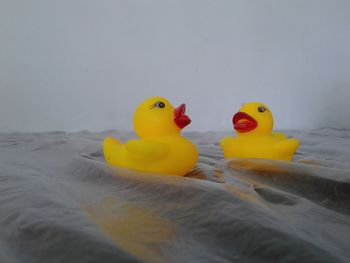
(60, 202)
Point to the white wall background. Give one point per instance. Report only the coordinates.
(86, 64)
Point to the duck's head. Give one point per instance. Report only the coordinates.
(253, 118)
(156, 117)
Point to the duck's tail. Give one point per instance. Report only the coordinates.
(287, 148)
(109, 145)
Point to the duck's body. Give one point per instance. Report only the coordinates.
(161, 149)
(254, 138)
(166, 155)
(263, 147)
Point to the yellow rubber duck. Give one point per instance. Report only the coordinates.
(161, 149)
(253, 124)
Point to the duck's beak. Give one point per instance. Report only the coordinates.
(243, 122)
(180, 118)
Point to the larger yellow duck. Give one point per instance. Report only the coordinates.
(161, 148)
(253, 124)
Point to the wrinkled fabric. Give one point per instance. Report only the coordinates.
(60, 202)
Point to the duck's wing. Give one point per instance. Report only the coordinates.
(279, 135)
(146, 149)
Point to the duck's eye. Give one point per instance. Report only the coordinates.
(159, 104)
(261, 109)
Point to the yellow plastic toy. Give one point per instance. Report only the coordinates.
(253, 124)
(161, 148)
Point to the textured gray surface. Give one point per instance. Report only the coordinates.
(59, 202)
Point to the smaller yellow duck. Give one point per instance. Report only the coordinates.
(161, 148)
(253, 124)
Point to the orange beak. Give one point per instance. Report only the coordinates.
(180, 118)
(243, 122)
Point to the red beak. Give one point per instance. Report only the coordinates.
(180, 118)
(243, 122)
